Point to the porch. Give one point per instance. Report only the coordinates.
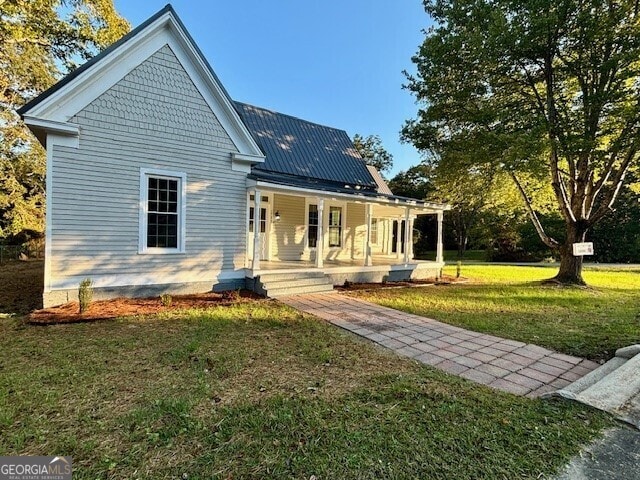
(354, 236)
(279, 278)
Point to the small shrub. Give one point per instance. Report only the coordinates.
(166, 300)
(85, 294)
(231, 295)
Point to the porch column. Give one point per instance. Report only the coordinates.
(257, 198)
(367, 243)
(399, 237)
(407, 235)
(320, 239)
(440, 244)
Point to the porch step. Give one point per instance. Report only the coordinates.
(283, 292)
(613, 387)
(276, 277)
(276, 285)
(270, 284)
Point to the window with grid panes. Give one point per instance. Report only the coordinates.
(163, 212)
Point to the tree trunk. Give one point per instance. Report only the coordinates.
(570, 272)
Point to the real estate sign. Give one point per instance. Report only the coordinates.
(584, 248)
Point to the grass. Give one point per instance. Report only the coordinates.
(452, 256)
(259, 390)
(510, 302)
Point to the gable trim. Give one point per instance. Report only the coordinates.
(80, 88)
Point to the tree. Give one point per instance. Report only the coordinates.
(468, 194)
(617, 238)
(413, 183)
(549, 88)
(40, 40)
(370, 148)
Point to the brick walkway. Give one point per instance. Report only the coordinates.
(515, 367)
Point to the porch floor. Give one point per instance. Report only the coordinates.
(377, 261)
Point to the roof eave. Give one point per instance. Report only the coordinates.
(356, 195)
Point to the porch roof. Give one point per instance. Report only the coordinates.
(306, 187)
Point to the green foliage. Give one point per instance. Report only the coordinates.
(413, 183)
(545, 89)
(371, 149)
(40, 40)
(85, 294)
(617, 238)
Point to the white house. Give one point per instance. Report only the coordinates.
(158, 182)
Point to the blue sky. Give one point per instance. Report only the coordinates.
(333, 62)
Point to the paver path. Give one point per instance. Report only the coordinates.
(516, 367)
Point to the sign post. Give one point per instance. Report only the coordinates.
(581, 249)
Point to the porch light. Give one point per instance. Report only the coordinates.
(276, 216)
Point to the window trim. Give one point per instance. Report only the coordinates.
(341, 227)
(328, 202)
(308, 226)
(377, 221)
(145, 174)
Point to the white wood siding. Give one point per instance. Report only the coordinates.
(356, 231)
(154, 118)
(288, 235)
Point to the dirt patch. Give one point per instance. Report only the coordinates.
(125, 307)
(444, 280)
(21, 284)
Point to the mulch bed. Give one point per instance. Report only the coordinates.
(124, 307)
(444, 280)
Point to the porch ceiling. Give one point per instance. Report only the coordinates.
(327, 191)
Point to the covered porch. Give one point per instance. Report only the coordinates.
(355, 236)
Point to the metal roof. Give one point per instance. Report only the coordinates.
(293, 146)
(380, 182)
(330, 187)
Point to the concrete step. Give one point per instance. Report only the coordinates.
(630, 413)
(593, 377)
(276, 284)
(613, 387)
(614, 390)
(282, 292)
(276, 277)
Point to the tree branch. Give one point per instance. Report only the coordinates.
(618, 181)
(546, 239)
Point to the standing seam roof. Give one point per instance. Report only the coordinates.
(297, 147)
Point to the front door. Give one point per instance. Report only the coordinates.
(263, 227)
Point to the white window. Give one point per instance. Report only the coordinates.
(373, 237)
(335, 226)
(162, 211)
(263, 214)
(312, 226)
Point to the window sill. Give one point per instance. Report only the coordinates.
(161, 251)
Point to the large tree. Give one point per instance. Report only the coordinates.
(40, 40)
(371, 149)
(550, 88)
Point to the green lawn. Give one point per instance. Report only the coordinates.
(260, 391)
(510, 302)
(452, 256)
